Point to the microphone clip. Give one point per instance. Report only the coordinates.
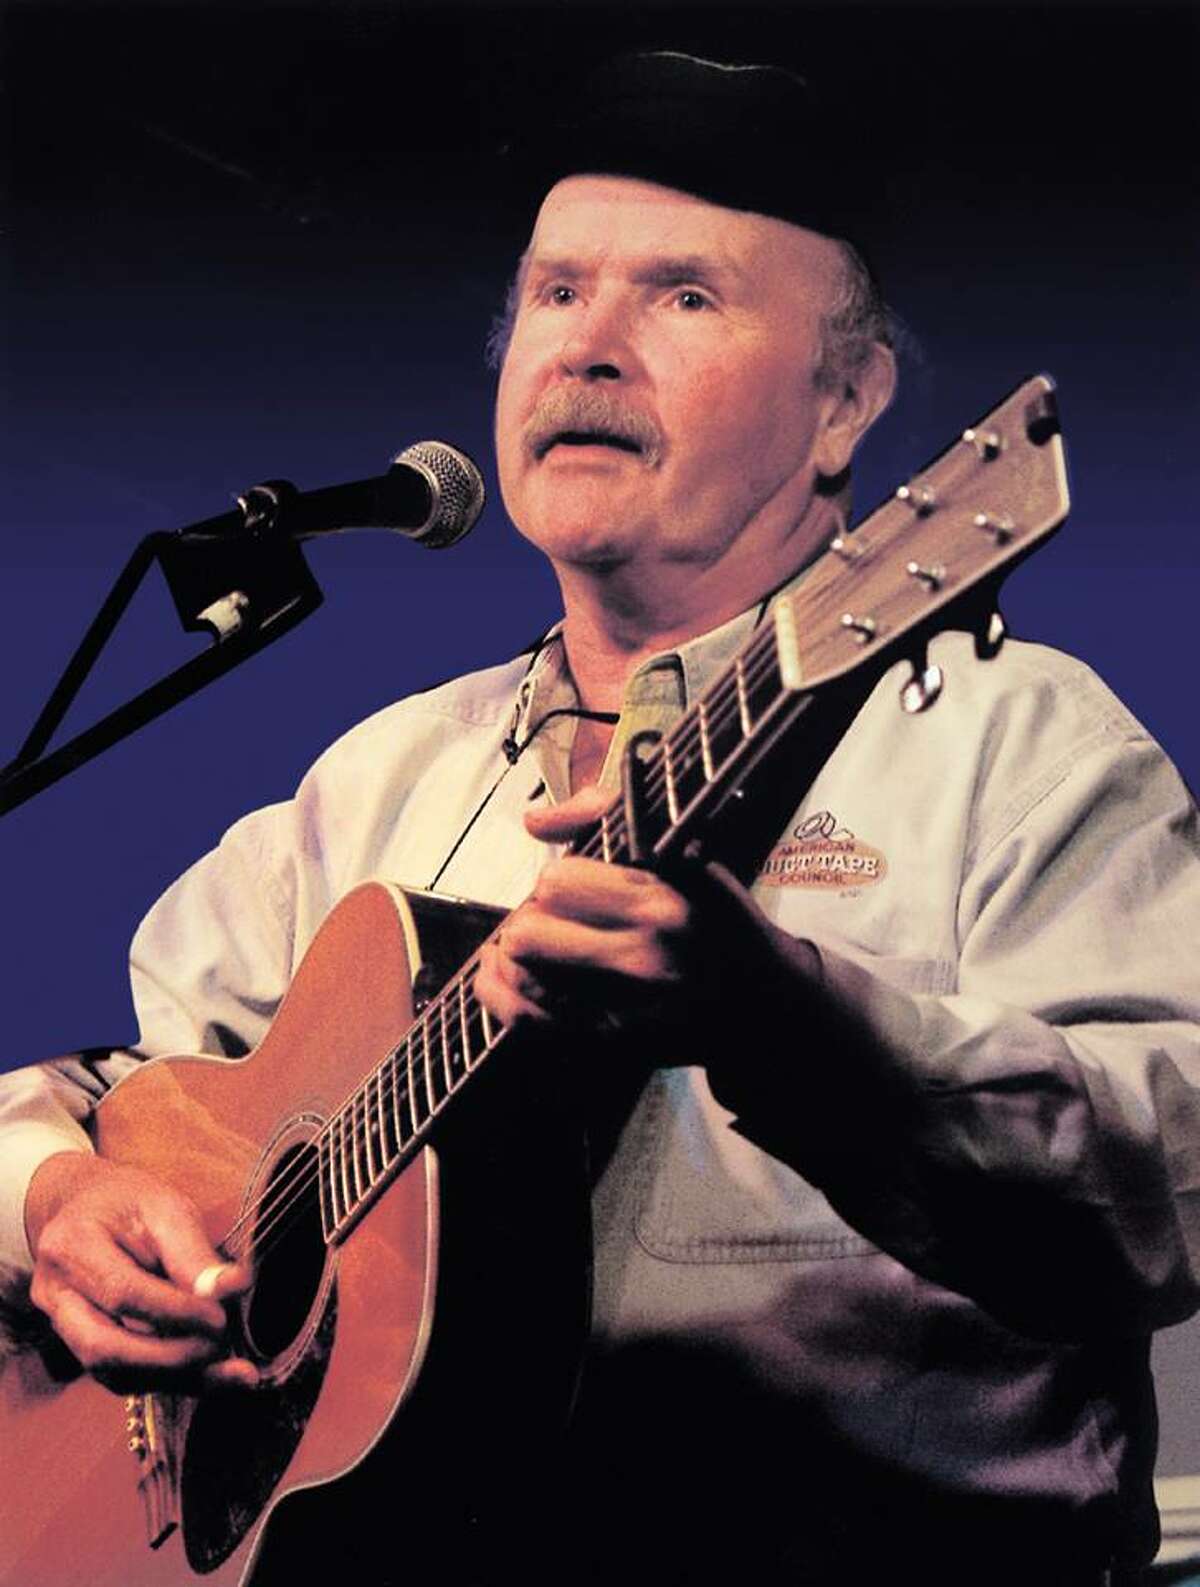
(265, 506)
(226, 584)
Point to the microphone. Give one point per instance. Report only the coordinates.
(433, 493)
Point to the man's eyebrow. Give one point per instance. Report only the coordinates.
(672, 270)
(667, 270)
(549, 265)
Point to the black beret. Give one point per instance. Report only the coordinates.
(748, 137)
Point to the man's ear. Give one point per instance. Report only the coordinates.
(853, 410)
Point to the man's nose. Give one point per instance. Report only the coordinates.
(598, 346)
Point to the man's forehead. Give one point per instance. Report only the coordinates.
(589, 216)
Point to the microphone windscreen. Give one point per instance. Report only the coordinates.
(455, 487)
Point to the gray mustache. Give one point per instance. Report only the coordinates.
(573, 413)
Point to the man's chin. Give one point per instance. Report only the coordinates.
(586, 518)
(583, 544)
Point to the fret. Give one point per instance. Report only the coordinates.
(400, 1102)
(447, 1053)
(443, 1062)
(408, 1103)
(654, 818)
(669, 778)
(743, 698)
(361, 1114)
(724, 730)
(410, 1087)
(706, 755)
(452, 1025)
(344, 1172)
(435, 1020)
(389, 1119)
(479, 1016)
(325, 1186)
(464, 1025)
(351, 1125)
(491, 1028)
(766, 686)
(606, 839)
(687, 760)
(422, 1096)
(378, 1125)
(368, 1131)
(336, 1168)
(435, 1058)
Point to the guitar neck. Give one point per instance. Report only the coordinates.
(874, 596)
(687, 774)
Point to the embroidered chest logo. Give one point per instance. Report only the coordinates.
(821, 853)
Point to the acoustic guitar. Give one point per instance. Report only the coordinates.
(316, 1158)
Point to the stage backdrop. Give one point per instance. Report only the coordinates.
(263, 241)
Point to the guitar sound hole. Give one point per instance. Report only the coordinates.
(289, 1255)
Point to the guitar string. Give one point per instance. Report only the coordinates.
(670, 765)
(711, 716)
(659, 775)
(757, 663)
(763, 649)
(383, 1080)
(704, 719)
(289, 1193)
(393, 1094)
(282, 1195)
(753, 674)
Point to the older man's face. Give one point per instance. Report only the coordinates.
(657, 399)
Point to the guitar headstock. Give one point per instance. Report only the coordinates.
(956, 527)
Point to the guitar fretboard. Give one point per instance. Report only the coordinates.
(390, 1117)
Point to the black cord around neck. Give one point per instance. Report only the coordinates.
(513, 751)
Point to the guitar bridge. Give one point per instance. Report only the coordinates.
(148, 1422)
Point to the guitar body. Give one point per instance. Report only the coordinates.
(341, 1330)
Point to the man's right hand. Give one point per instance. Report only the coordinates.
(117, 1257)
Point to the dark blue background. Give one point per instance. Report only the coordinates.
(261, 240)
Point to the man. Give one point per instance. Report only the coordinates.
(880, 1244)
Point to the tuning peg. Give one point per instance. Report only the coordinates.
(863, 628)
(986, 442)
(999, 526)
(923, 688)
(931, 577)
(919, 497)
(848, 549)
(990, 636)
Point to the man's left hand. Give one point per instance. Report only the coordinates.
(597, 942)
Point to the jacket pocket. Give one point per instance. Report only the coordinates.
(707, 1194)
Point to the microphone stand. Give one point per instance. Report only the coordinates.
(237, 577)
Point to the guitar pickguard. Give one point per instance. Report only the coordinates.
(239, 1446)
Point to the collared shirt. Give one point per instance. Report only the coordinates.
(937, 1235)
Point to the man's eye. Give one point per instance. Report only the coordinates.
(561, 295)
(690, 298)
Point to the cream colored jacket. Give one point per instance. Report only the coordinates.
(942, 1240)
